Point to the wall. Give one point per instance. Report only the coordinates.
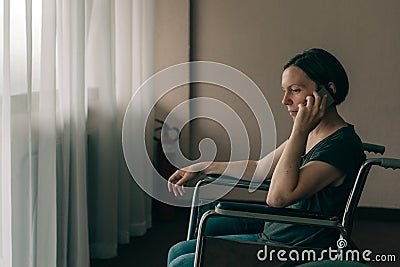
(257, 37)
(172, 47)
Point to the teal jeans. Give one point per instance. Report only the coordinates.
(182, 253)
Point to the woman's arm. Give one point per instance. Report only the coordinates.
(266, 166)
(289, 182)
(258, 170)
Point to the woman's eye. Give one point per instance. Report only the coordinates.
(295, 91)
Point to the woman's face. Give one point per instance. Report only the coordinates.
(296, 86)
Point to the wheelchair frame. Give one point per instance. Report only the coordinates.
(284, 215)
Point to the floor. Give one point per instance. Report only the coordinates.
(378, 230)
(374, 229)
(151, 249)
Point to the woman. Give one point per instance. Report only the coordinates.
(314, 169)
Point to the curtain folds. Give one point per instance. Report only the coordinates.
(124, 39)
(5, 134)
(67, 71)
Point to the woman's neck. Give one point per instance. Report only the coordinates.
(329, 124)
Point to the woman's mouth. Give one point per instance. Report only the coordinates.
(293, 112)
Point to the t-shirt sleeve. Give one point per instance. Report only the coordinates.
(341, 153)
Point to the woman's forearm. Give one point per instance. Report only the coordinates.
(255, 170)
(239, 169)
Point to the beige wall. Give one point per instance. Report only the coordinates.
(258, 37)
(172, 47)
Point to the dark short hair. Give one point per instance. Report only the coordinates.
(323, 68)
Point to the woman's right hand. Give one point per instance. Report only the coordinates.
(177, 180)
(311, 114)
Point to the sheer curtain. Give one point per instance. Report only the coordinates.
(67, 71)
(120, 41)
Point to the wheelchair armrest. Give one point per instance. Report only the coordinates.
(284, 215)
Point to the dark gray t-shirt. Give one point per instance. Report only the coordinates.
(343, 150)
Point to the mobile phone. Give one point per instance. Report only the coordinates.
(323, 91)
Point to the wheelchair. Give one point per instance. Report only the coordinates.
(243, 253)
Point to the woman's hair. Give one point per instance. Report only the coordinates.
(323, 68)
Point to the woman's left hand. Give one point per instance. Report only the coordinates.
(310, 115)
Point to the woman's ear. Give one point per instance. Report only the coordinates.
(332, 86)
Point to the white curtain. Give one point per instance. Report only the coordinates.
(67, 71)
(119, 59)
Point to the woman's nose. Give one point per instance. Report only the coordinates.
(286, 99)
